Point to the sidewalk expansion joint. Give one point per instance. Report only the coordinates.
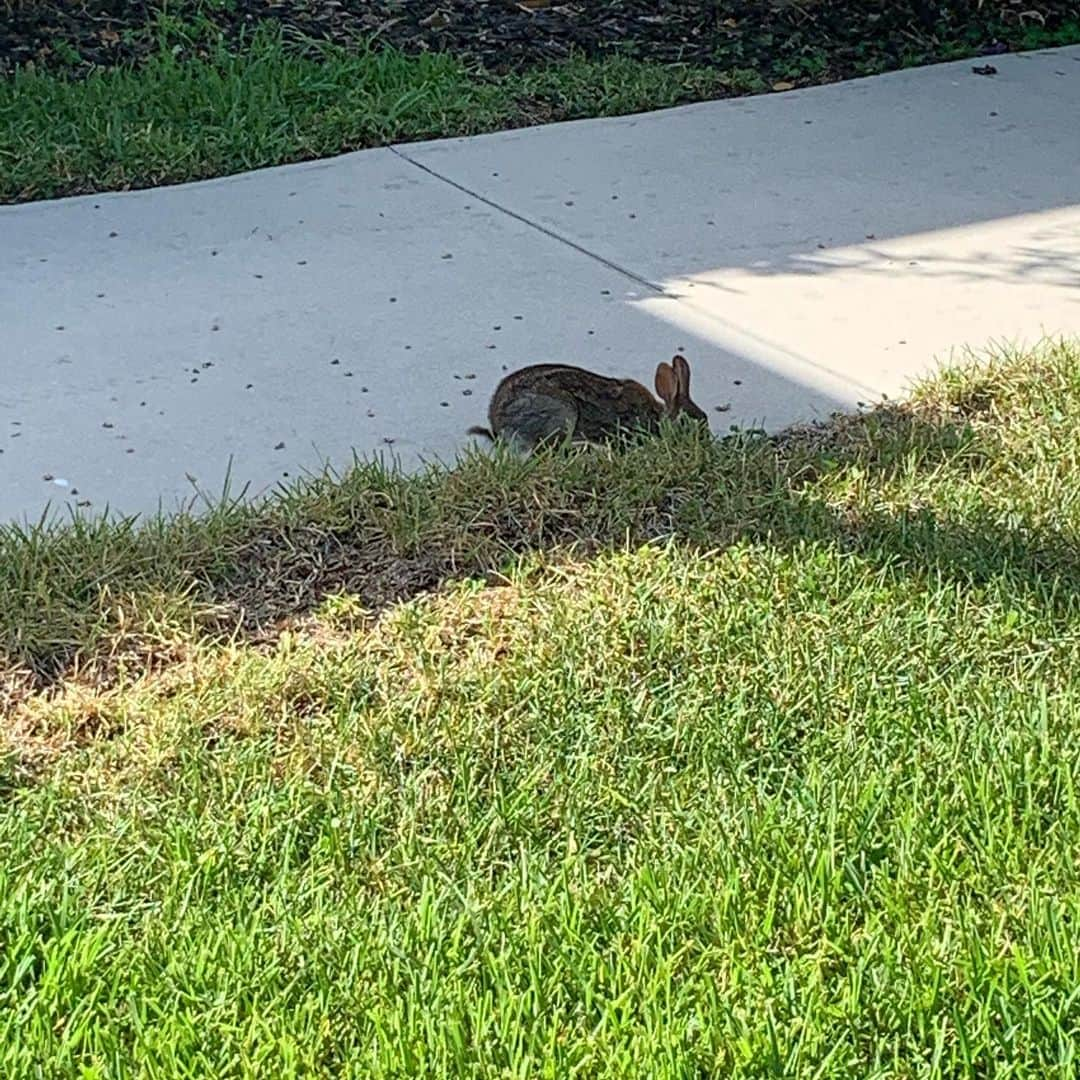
(659, 290)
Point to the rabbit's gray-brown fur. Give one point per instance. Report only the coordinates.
(546, 402)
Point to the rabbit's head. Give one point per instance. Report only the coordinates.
(673, 387)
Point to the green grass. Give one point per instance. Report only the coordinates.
(171, 119)
(201, 102)
(753, 758)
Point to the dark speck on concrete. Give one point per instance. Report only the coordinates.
(448, 255)
(279, 446)
(113, 235)
(333, 362)
(466, 393)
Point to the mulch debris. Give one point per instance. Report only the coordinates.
(781, 39)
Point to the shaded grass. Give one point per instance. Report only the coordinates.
(171, 120)
(752, 758)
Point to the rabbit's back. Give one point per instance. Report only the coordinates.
(545, 400)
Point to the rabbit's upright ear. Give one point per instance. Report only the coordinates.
(684, 404)
(681, 367)
(667, 384)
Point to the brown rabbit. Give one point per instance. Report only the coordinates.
(545, 402)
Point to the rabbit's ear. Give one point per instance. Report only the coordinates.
(667, 384)
(681, 368)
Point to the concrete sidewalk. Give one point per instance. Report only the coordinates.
(806, 250)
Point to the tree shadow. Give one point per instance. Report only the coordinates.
(1016, 265)
(866, 483)
(484, 516)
